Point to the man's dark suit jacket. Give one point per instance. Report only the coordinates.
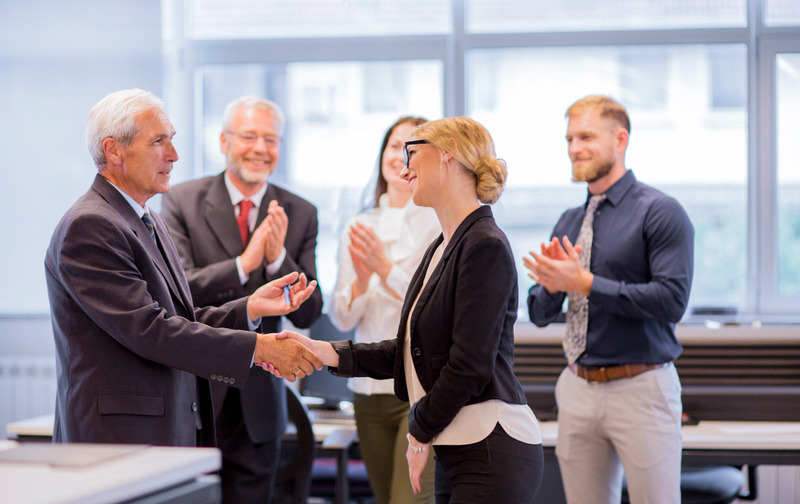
(133, 355)
(201, 218)
(462, 329)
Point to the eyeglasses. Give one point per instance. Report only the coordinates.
(251, 138)
(406, 157)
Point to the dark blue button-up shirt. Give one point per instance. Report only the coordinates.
(642, 261)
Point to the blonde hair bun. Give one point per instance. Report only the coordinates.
(490, 176)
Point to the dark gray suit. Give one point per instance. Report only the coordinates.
(133, 355)
(201, 218)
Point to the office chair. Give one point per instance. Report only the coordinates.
(310, 471)
(711, 484)
(293, 479)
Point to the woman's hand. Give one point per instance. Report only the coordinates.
(417, 456)
(369, 249)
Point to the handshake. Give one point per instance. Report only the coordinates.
(287, 354)
(310, 354)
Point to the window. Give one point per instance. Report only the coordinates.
(503, 16)
(678, 145)
(275, 19)
(781, 13)
(788, 165)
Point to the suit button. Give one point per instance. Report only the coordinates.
(213, 377)
(233, 380)
(194, 406)
(417, 352)
(226, 380)
(219, 378)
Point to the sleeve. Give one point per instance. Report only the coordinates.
(669, 237)
(103, 271)
(304, 262)
(206, 282)
(485, 279)
(375, 360)
(544, 308)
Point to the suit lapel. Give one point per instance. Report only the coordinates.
(221, 218)
(115, 199)
(177, 280)
(433, 280)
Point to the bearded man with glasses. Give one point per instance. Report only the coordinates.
(234, 232)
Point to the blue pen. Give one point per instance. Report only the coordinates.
(286, 294)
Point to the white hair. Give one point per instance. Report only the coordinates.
(256, 103)
(114, 117)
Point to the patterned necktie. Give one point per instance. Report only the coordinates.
(243, 220)
(578, 310)
(148, 223)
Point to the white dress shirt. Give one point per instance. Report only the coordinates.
(406, 233)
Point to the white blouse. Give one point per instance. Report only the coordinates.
(473, 422)
(406, 233)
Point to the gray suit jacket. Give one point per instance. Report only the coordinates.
(133, 355)
(203, 224)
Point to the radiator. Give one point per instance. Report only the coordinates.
(27, 388)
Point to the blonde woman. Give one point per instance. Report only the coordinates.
(379, 251)
(454, 351)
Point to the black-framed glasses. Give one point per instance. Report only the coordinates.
(406, 157)
(249, 137)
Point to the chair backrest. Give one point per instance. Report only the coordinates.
(297, 459)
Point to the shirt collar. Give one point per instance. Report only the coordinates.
(618, 190)
(237, 196)
(139, 209)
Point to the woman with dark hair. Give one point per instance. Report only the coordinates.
(453, 356)
(379, 251)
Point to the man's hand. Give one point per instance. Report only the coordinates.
(254, 255)
(278, 224)
(417, 460)
(269, 300)
(289, 358)
(323, 349)
(558, 268)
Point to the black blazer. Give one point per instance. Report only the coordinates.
(203, 224)
(462, 329)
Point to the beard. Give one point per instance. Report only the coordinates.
(590, 172)
(248, 176)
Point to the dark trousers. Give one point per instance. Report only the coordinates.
(248, 469)
(496, 469)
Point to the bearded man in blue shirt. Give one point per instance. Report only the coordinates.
(627, 277)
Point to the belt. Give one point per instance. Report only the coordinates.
(608, 373)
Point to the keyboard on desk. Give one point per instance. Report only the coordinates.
(322, 415)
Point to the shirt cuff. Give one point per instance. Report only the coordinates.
(273, 267)
(243, 277)
(253, 324)
(604, 290)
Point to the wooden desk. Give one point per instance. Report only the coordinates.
(60, 474)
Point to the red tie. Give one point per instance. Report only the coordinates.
(244, 223)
